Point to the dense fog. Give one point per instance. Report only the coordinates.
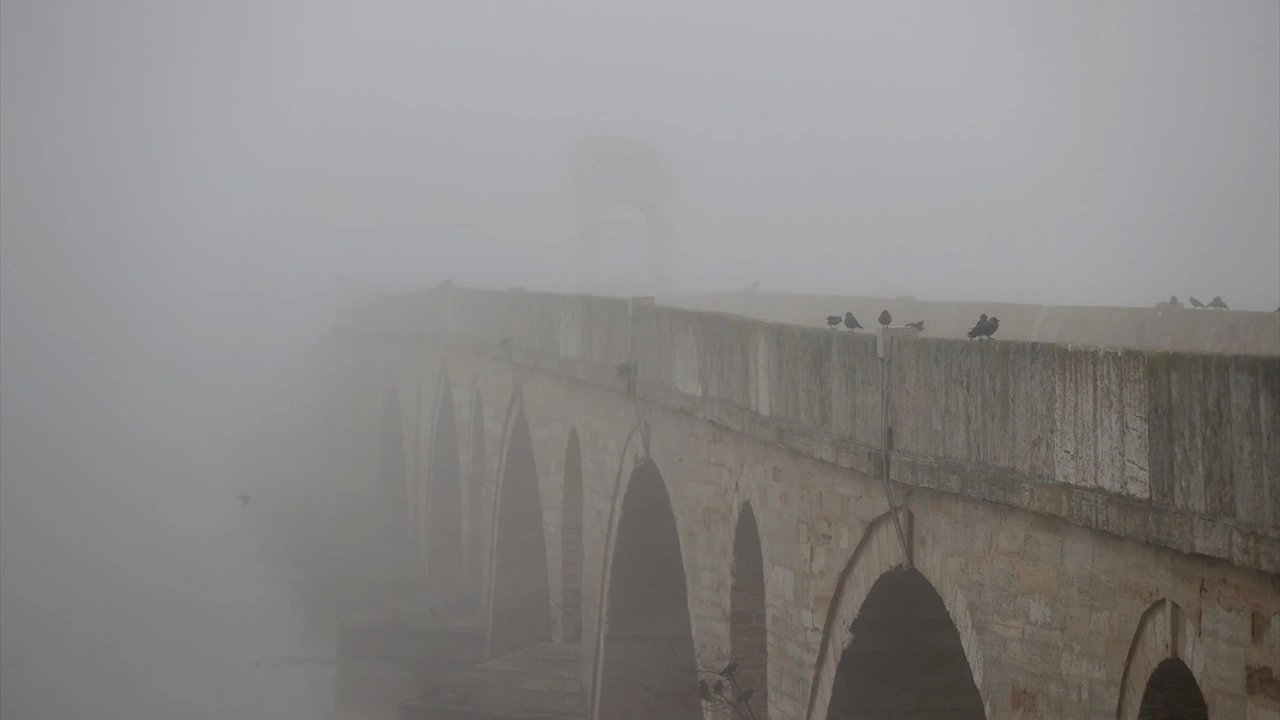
(189, 189)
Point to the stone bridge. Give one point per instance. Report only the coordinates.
(870, 524)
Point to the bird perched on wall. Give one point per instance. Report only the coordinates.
(919, 325)
(982, 322)
(1217, 303)
(833, 321)
(243, 499)
(731, 669)
(885, 318)
(850, 321)
(985, 328)
(1194, 302)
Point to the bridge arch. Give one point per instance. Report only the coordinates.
(882, 619)
(1161, 678)
(519, 598)
(571, 543)
(647, 667)
(444, 502)
(748, 636)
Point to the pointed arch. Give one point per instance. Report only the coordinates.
(748, 636)
(878, 556)
(648, 668)
(444, 502)
(571, 543)
(1162, 669)
(520, 603)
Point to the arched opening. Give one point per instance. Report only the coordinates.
(1172, 694)
(748, 641)
(444, 506)
(648, 667)
(571, 544)
(905, 659)
(520, 613)
(478, 502)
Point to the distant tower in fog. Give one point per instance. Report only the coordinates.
(620, 172)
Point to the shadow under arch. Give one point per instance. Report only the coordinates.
(886, 624)
(519, 596)
(571, 543)
(1160, 680)
(648, 667)
(444, 502)
(748, 635)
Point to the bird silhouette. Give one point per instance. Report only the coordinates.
(731, 669)
(243, 499)
(885, 318)
(1173, 299)
(919, 325)
(1194, 302)
(851, 322)
(985, 328)
(1217, 303)
(980, 325)
(833, 321)
(625, 370)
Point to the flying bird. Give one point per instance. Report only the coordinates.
(731, 669)
(833, 321)
(981, 324)
(850, 321)
(1194, 302)
(243, 499)
(885, 318)
(919, 325)
(1217, 303)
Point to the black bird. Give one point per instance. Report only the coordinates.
(243, 498)
(851, 322)
(885, 318)
(745, 697)
(919, 325)
(1194, 302)
(981, 324)
(731, 669)
(625, 370)
(1217, 303)
(833, 321)
(1173, 299)
(985, 329)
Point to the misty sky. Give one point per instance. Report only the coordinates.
(1098, 153)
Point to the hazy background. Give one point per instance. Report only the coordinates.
(185, 187)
